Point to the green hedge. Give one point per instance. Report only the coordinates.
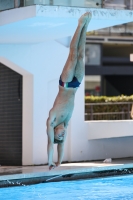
(104, 99)
(106, 108)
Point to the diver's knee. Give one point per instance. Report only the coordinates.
(80, 56)
(73, 54)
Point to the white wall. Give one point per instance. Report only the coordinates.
(44, 62)
(40, 65)
(96, 140)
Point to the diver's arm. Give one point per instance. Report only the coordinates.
(60, 150)
(60, 146)
(50, 133)
(66, 122)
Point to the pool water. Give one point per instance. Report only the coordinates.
(113, 188)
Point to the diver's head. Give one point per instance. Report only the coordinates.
(59, 133)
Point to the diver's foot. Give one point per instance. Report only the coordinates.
(52, 167)
(58, 164)
(84, 18)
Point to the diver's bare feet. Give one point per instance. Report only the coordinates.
(58, 164)
(82, 20)
(52, 166)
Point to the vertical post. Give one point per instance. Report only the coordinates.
(22, 3)
(102, 3)
(16, 3)
(91, 112)
(131, 57)
(131, 4)
(129, 111)
(123, 114)
(51, 2)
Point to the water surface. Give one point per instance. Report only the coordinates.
(113, 188)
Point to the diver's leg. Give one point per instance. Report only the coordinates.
(69, 68)
(79, 68)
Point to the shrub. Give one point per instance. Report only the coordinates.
(117, 107)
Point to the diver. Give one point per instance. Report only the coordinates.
(70, 80)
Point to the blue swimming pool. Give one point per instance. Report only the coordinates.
(113, 188)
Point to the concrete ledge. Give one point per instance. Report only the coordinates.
(66, 177)
(109, 129)
(22, 176)
(39, 23)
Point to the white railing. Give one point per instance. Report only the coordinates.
(115, 4)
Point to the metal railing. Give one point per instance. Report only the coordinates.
(115, 4)
(118, 4)
(72, 3)
(121, 111)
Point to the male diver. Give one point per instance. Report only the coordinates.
(69, 82)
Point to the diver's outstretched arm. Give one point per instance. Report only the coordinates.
(60, 150)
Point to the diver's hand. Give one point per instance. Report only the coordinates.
(58, 164)
(52, 166)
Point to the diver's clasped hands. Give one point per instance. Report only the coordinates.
(54, 165)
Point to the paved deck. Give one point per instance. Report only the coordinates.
(23, 175)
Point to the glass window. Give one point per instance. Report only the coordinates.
(93, 54)
(6, 4)
(92, 85)
(118, 4)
